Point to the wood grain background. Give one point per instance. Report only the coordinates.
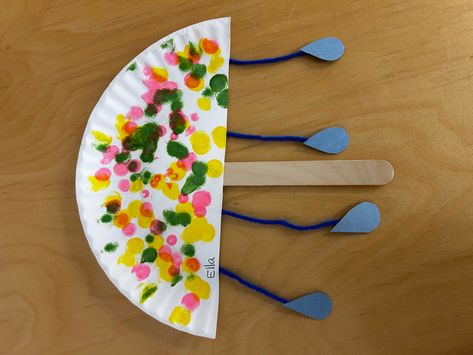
(404, 92)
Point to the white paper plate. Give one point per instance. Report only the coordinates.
(120, 236)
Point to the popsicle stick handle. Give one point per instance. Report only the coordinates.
(318, 172)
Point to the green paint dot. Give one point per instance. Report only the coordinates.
(149, 238)
(198, 71)
(134, 177)
(222, 98)
(218, 82)
(176, 279)
(110, 247)
(151, 110)
(184, 219)
(177, 150)
(122, 157)
(101, 147)
(177, 105)
(188, 250)
(106, 218)
(147, 292)
(199, 168)
(184, 63)
(132, 67)
(207, 92)
(149, 255)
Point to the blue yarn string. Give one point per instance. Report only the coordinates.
(266, 60)
(252, 286)
(266, 138)
(281, 222)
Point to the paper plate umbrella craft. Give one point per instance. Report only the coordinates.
(149, 179)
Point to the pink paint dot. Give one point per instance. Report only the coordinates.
(124, 185)
(194, 117)
(171, 58)
(191, 158)
(141, 271)
(183, 198)
(129, 229)
(176, 259)
(135, 113)
(174, 136)
(109, 154)
(191, 301)
(200, 211)
(120, 169)
(201, 198)
(171, 239)
(190, 130)
(145, 193)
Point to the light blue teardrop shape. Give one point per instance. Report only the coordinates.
(363, 218)
(316, 305)
(328, 48)
(330, 140)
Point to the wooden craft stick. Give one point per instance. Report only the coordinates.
(319, 172)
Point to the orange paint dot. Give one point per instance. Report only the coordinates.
(191, 81)
(173, 271)
(193, 264)
(155, 180)
(103, 174)
(164, 255)
(210, 46)
(146, 209)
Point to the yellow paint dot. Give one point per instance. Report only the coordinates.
(133, 208)
(136, 186)
(171, 190)
(198, 286)
(121, 219)
(98, 185)
(199, 229)
(157, 242)
(145, 222)
(102, 137)
(134, 245)
(219, 135)
(160, 74)
(215, 63)
(204, 103)
(200, 142)
(127, 259)
(215, 168)
(163, 269)
(180, 315)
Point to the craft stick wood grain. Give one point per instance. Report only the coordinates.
(319, 172)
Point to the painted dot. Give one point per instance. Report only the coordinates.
(103, 174)
(124, 185)
(201, 198)
(174, 136)
(219, 135)
(146, 209)
(145, 193)
(194, 117)
(215, 168)
(141, 271)
(204, 103)
(200, 211)
(171, 239)
(129, 229)
(120, 169)
(191, 301)
(183, 198)
(135, 113)
(190, 130)
(176, 259)
(200, 142)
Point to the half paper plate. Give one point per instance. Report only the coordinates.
(149, 178)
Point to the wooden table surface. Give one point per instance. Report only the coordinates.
(404, 92)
